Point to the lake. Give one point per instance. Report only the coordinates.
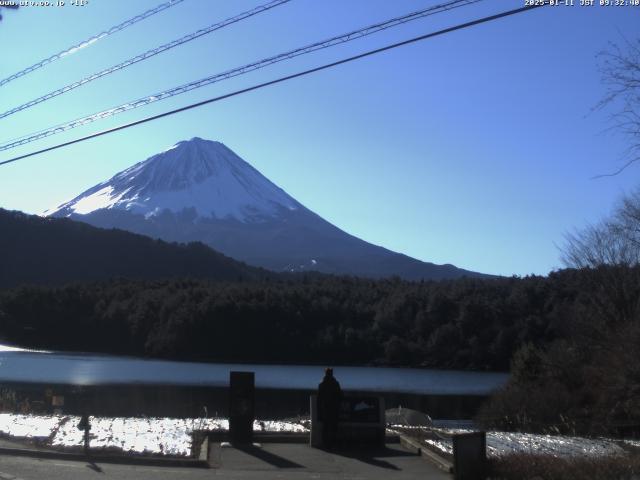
(23, 366)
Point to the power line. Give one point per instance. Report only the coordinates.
(235, 72)
(89, 41)
(371, 29)
(281, 79)
(148, 54)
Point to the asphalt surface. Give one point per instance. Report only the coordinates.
(277, 461)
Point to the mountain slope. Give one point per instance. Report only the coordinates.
(55, 251)
(200, 190)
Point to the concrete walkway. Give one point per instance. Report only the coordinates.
(268, 461)
(299, 461)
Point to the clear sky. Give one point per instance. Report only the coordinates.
(475, 148)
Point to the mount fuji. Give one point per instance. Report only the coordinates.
(200, 190)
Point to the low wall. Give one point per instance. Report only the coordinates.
(187, 401)
(361, 421)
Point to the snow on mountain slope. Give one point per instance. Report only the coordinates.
(200, 174)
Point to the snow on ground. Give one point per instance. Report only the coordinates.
(164, 436)
(502, 443)
(278, 426)
(27, 426)
(167, 436)
(632, 443)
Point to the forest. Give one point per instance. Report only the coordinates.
(463, 324)
(587, 380)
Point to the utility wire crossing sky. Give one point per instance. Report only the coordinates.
(148, 54)
(156, 97)
(91, 40)
(282, 79)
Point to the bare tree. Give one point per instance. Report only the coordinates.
(613, 241)
(616, 239)
(620, 70)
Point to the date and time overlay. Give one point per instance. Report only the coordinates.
(527, 3)
(44, 3)
(583, 3)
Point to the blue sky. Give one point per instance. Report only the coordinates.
(475, 148)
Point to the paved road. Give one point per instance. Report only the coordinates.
(272, 461)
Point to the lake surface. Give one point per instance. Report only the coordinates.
(23, 366)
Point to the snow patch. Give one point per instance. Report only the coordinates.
(103, 198)
(27, 426)
(160, 436)
(9, 348)
(504, 443)
(171, 148)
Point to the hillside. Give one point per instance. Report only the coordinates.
(50, 251)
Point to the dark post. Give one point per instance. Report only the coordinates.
(85, 425)
(241, 406)
(470, 456)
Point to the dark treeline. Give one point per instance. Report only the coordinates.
(466, 323)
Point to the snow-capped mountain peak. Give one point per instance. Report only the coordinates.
(196, 174)
(201, 191)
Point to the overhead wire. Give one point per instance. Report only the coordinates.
(353, 35)
(282, 79)
(146, 55)
(91, 40)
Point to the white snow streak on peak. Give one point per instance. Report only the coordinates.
(103, 198)
(171, 148)
(198, 174)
